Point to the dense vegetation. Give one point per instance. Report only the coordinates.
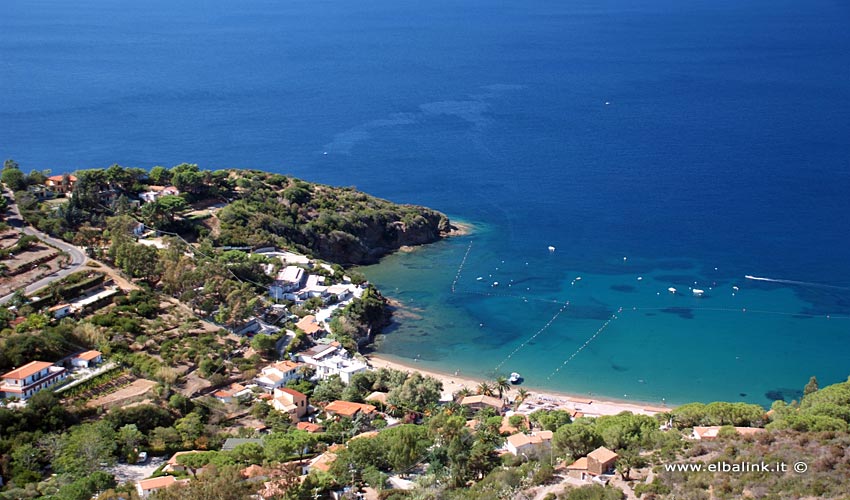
(63, 449)
(340, 225)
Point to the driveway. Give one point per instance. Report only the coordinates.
(76, 254)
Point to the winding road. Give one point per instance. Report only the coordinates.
(77, 255)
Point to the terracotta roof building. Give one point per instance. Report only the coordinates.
(711, 432)
(147, 486)
(309, 325)
(598, 462)
(309, 427)
(348, 409)
(34, 376)
(534, 444)
(480, 401)
(290, 401)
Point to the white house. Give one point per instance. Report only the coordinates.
(331, 359)
(278, 375)
(34, 376)
(289, 279)
(59, 311)
(231, 392)
(87, 359)
(155, 192)
(147, 486)
(533, 444)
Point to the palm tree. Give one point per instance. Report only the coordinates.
(521, 395)
(502, 385)
(462, 393)
(484, 388)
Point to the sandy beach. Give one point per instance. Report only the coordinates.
(583, 405)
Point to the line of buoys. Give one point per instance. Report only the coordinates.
(460, 267)
(751, 311)
(586, 343)
(508, 295)
(541, 330)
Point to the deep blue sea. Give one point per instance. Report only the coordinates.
(654, 144)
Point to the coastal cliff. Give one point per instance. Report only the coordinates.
(340, 225)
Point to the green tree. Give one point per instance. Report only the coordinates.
(416, 393)
(160, 175)
(576, 439)
(129, 439)
(85, 448)
(329, 389)
(405, 445)
(811, 387)
(550, 420)
(501, 385)
(14, 178)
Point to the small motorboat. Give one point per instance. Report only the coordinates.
(697, 292)
(671, 290)
(516, 378)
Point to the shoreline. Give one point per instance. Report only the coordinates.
(537, 399)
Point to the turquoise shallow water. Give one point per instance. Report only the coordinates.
(683, 135)
(618, 336)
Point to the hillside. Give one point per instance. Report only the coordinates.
(340, 225)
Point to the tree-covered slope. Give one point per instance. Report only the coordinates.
(341, 225)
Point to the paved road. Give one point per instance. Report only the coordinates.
(78, 256)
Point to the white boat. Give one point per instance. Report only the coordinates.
(495, 283)
(671, 290)
(515, 378)
(551, 248)
(698, 292)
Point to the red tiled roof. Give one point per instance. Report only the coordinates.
(602, 455)
(28, 369)
(580, 464)
(348, 409)
(309, 427)
(157, 483)
(89, 355)
(292, 392)
(309, 324)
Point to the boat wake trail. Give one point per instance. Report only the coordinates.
(586, 342)
(541, 330)
(798, 283)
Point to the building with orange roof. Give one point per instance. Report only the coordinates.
(278, 375)
(324, 461)
(147, 486)
(34, 376)
(87, 359)
(481, 401)
(309, 427)
(290, 401)
(711, 432)
(309, 325)
(534, 444)
(231, 392)
(597, 463)
(61, 183)
(348, 409)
